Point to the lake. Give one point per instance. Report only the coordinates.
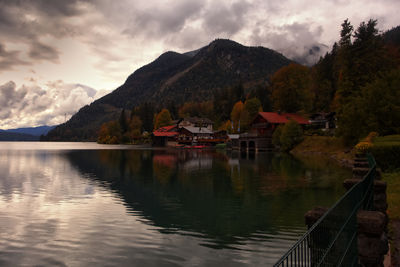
(84, 204)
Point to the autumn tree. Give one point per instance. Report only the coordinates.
(135, 128)
(110, 133)
(195, 109)
(162, 119)
(290, 88)
(251, 108)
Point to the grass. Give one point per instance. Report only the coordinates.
(393, 193)
(331, 147)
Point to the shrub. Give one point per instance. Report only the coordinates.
(386, 151)
(287, 136)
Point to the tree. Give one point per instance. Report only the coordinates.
(135, 128)
(290, 88)
(122, 121)
(291, 135)
(359, 64)
(110, 133)
(162, 119)
(346, 33)
(236, 114)
(146, 114)
(381, 104)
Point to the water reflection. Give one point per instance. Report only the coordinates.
(224, 197)
(155, 207)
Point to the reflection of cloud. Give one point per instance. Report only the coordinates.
(34, 105)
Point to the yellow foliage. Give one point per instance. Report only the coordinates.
(363, 147)
(366, 144)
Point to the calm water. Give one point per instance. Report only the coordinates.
(83, 204)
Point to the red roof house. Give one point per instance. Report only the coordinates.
(165, 134)
(265, 122)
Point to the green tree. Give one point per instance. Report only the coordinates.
(291, 135)
(162, 119)
(381, 104)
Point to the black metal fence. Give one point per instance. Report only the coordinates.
(332, 240)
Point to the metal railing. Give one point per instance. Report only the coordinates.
(332, 240)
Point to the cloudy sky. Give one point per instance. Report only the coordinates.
(57, 55)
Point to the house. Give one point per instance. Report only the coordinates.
(263, 126)
(265, 123)
(165, 136)
(323, 120)
(196, 122)
(192, 134)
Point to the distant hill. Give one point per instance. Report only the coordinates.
(24, 134)
(35, 131)
(9, 136)
(176, 78)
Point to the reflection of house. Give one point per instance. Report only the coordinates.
(261, 129)
(196, 122)
(323, 120)
(165, 136)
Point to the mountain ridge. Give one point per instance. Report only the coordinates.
(176, 78)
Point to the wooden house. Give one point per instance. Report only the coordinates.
(265, 123)
(323, 120)
(165, 136)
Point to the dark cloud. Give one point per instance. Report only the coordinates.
(159, 21)
(27, 22)
(9, 59)
(41, 51)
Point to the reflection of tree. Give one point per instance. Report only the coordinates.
(231, 200)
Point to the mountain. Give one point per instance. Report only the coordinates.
(176, 78)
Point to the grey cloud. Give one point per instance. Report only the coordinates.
(10, 96)
(41, 51)
(33, 105)
(26, 22)
(159, 21)
(297, 41)
(221, 18)
(9, 59)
